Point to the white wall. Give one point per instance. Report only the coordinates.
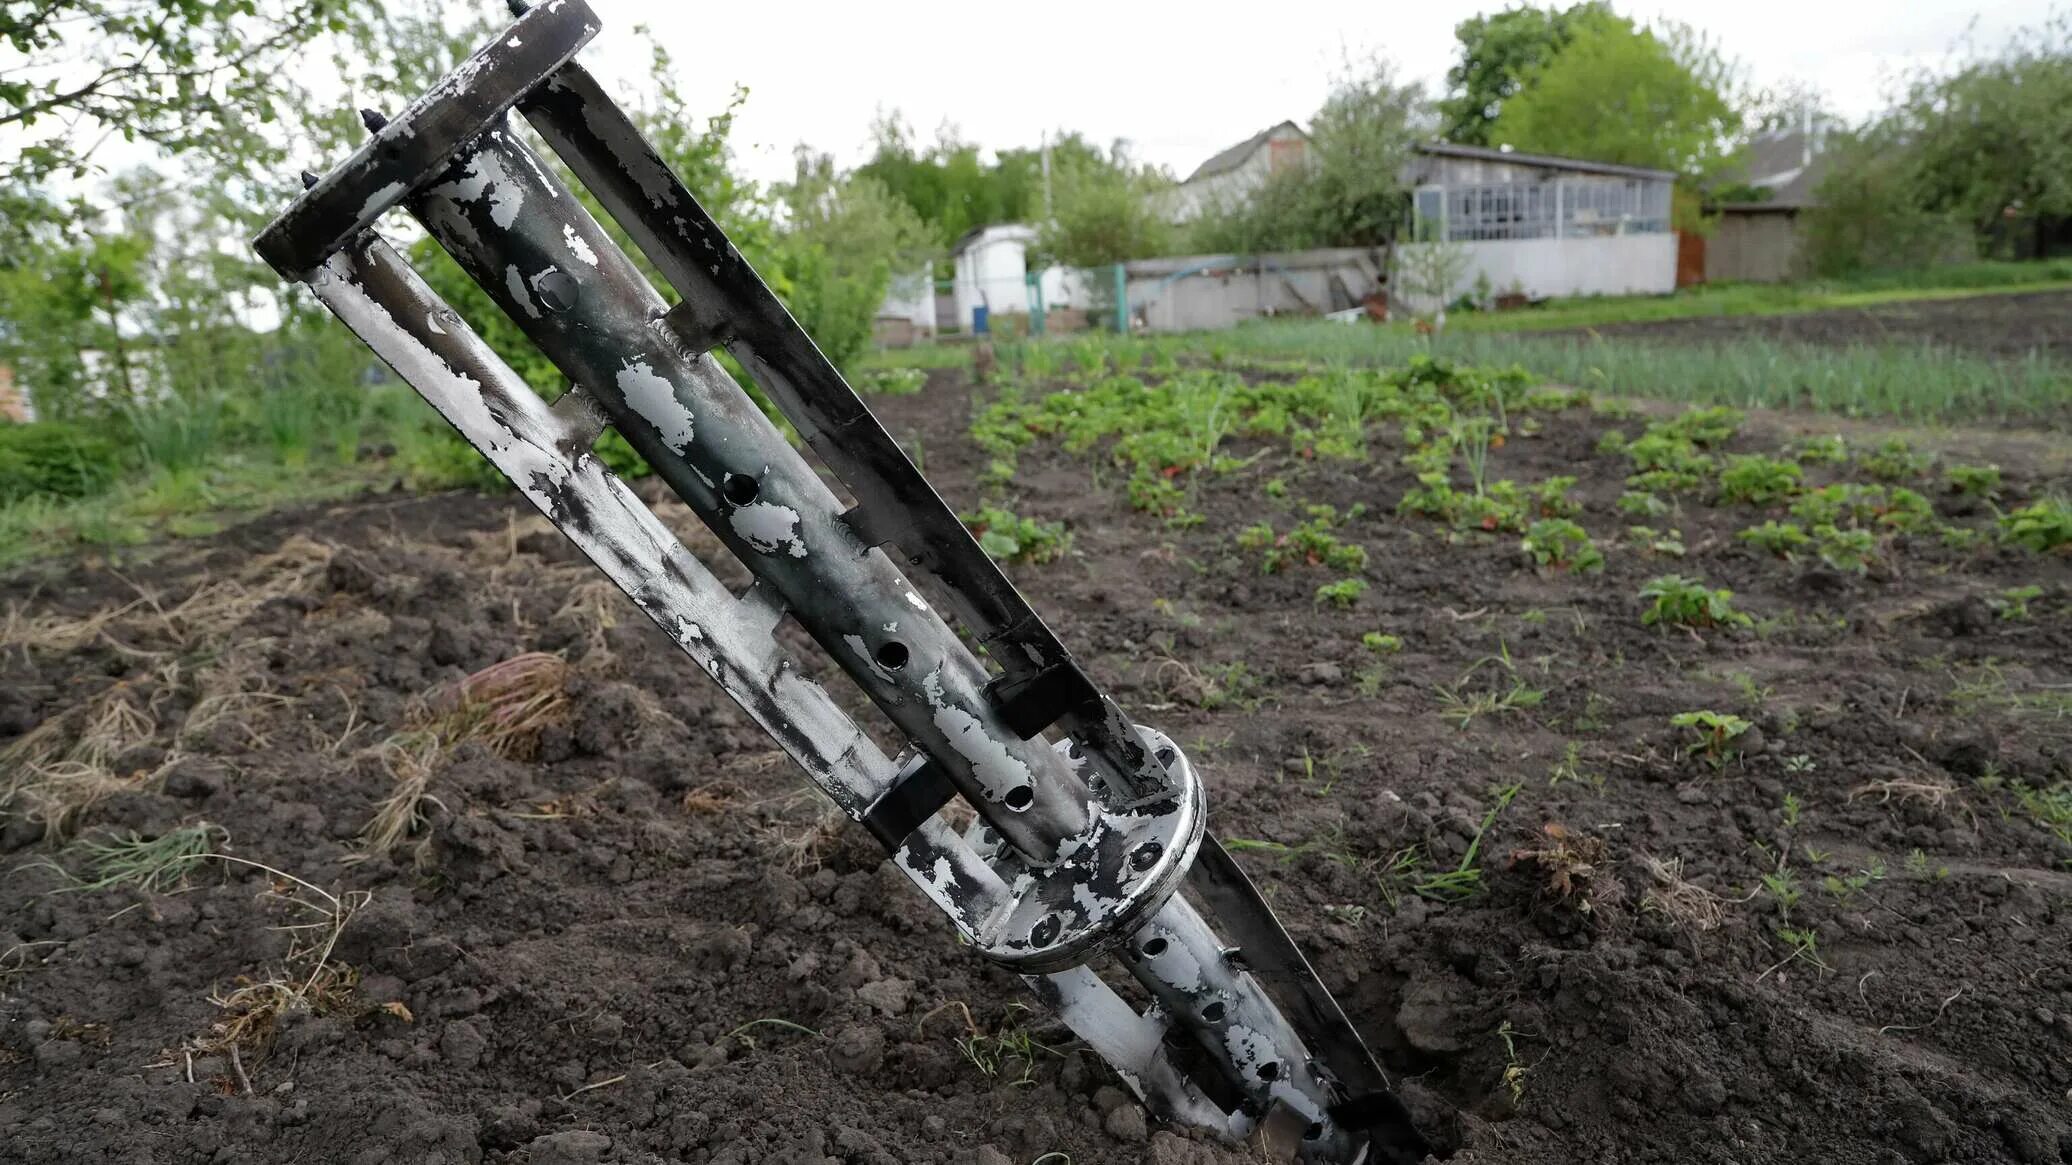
(1209, 291)
(993, 270)
(1604, 265)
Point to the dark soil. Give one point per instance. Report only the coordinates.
(2010, 326)
(569, 962)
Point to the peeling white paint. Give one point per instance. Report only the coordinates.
(652, 396)
(915, 601)
(431, 321)
(515, 284)
(486, 174)
(575, 242)
(769, 528)
(996, 768)
(382, 199)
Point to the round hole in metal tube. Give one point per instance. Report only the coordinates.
(892, 655)
(1019, 798)
(741, 489)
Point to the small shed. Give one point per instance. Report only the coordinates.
(992, 271)
(1761, 240)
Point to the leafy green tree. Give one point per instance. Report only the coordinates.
(846, 237)
(185, 75)
(1662, 98)
(1973, 161)
(1105, 210)
(1498, 54)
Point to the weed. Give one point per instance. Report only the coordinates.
(1895, 460)
(2049, 806)
(1715, 732)
(1979, 481)
(1343, 593)
(1846, 550)
(1678, 601)
(1464, 879)
(1007, 537)
(1561, 545)
(2012, 604)
(1845, 887)
(1645, 507)
(1918, 866)
(1828, 450)
(1276, 488)
(1571, 864)
(2043, 525)
(1381, 643)
(153, 866)
(1310, 543)
(1570, 768)
(1515, 1070)
(1509, 694)
(1791, 810)
(1758, 480)
(1779, 538)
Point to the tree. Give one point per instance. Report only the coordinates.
(1977, 158)
(1498, 53)
(1105, 211)
(846, 237)
(1639, 97)
(185, 75)
(1349, 190)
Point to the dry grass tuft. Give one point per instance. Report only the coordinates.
(1932, 793)
(714, 797)
(1690, 906)
(809, 849)
(505, 706)
(306, 982)
(65, 765)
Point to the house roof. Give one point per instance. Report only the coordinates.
(1546, 161)
(1789, 163)
(1021, 232)
(1236, 155)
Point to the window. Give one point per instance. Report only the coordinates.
(1560, 207)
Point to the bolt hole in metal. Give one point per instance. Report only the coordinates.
(1314, 1132)
(1147, 856)
(1019, 798)
(1213, 1013)
(1165, 756)
(741, 489)
(892, 655)
(558, 290)
(1153, 947)
(1046, 930)
(1269, 1071)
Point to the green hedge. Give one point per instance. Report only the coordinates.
(53, 459)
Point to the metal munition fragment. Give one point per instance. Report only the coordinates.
(1088, 855)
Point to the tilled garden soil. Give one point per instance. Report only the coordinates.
(2011, 326)
(630, 937)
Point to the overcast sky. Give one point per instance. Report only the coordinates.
(1177, 80)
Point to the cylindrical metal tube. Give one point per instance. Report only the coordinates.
(1186, 968)
(522, 235)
